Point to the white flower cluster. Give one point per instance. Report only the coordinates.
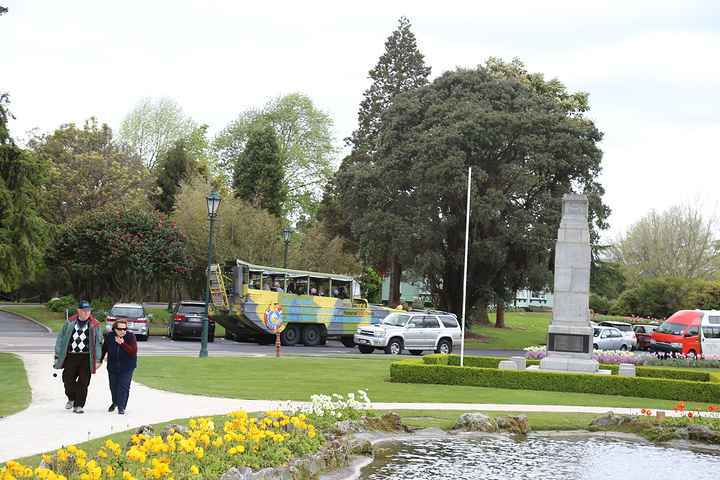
(333, 406)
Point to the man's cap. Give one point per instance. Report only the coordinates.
(84, 305)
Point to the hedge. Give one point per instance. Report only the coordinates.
(435, 370)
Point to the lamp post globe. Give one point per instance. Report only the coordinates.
(287, 235)
(213, 204)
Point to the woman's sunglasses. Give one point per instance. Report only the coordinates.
(121, 329)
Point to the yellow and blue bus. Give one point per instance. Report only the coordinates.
(248, 299)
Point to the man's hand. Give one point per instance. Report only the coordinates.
(98, 365)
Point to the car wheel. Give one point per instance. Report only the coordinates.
(143, 338)
(623, 347)
(173, 335)
(169, 331)
(211, 338)
(595, 347)
(394, 347)
(444, 347)
(692, 352)
(311, 335)
(347, 341)
(365, 349)
(415, 352)
(290, 336)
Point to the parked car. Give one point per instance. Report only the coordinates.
(643, 333)
(625, 328)
(186, 321)
(136, 316)
(679, 334)
(415, 331)
(610, 338)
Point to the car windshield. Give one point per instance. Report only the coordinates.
(396, 319)
(596, 332)
(127, 312)
(671, 328)
(192, 309)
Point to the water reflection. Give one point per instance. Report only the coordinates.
(537, 457)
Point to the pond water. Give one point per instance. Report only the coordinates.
(537, 457)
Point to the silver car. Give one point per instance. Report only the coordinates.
(610, 338)
(137, 319)
(415, 331)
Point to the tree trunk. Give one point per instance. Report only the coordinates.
(170, 295)
(395, 278)
(484, 318)
(500, 315)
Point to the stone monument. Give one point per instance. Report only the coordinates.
(570, 336)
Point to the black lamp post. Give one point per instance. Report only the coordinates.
(213, 203)
(287, 235)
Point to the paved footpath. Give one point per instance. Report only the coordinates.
(46, 425)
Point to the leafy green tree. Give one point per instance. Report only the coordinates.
(121, 249)
(87, 170)
(657, 298)
(371, 285)
(23, 234)
(153, 126)
(525, 151)
(400, 69)
(305, 138)
(679, 242)
(706, 297)
(258, 173)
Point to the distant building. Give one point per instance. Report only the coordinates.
(533, 299)
(409, 292)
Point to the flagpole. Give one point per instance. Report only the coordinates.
(467, 237)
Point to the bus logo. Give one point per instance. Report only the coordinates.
(274, 317)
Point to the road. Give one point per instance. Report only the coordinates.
(22, 335)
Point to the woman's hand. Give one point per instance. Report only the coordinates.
(119, 340)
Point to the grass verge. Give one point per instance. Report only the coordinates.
(14, 384)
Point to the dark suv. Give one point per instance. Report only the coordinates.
(186, 320)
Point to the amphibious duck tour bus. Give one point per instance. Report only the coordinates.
(313, 306)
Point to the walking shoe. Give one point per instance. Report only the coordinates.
(121, 411)
(112, 408)
(69, 405)
(78, 410)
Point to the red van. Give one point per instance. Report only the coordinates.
(678, 334)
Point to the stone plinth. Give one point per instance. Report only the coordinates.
(569, 340)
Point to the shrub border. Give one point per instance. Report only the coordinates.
(483, 372)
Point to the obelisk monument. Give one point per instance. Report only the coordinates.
(570, 337)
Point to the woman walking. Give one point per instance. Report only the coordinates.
(121, 349)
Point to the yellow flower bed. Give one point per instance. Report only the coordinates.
(205, 450)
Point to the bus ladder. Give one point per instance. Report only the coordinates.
(217, 288)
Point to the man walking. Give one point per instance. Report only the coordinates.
(78, 351)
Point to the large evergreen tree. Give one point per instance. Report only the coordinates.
(526, 151)
(22, 232)
(258, 174)
(400, 69)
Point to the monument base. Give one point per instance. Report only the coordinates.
(570, 363)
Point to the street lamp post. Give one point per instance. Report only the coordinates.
(287, 235)
(213, 203)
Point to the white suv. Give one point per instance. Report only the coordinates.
(415, 331)
(135, 315)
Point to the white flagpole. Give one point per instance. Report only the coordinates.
(467, 237)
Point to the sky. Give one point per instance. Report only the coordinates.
(651, 69)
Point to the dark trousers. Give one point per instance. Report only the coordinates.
(76, 377)
(120, 387)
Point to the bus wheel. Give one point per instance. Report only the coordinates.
(347, 341)
(290, 336)
(311, 335)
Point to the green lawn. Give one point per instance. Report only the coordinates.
(14, 385)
